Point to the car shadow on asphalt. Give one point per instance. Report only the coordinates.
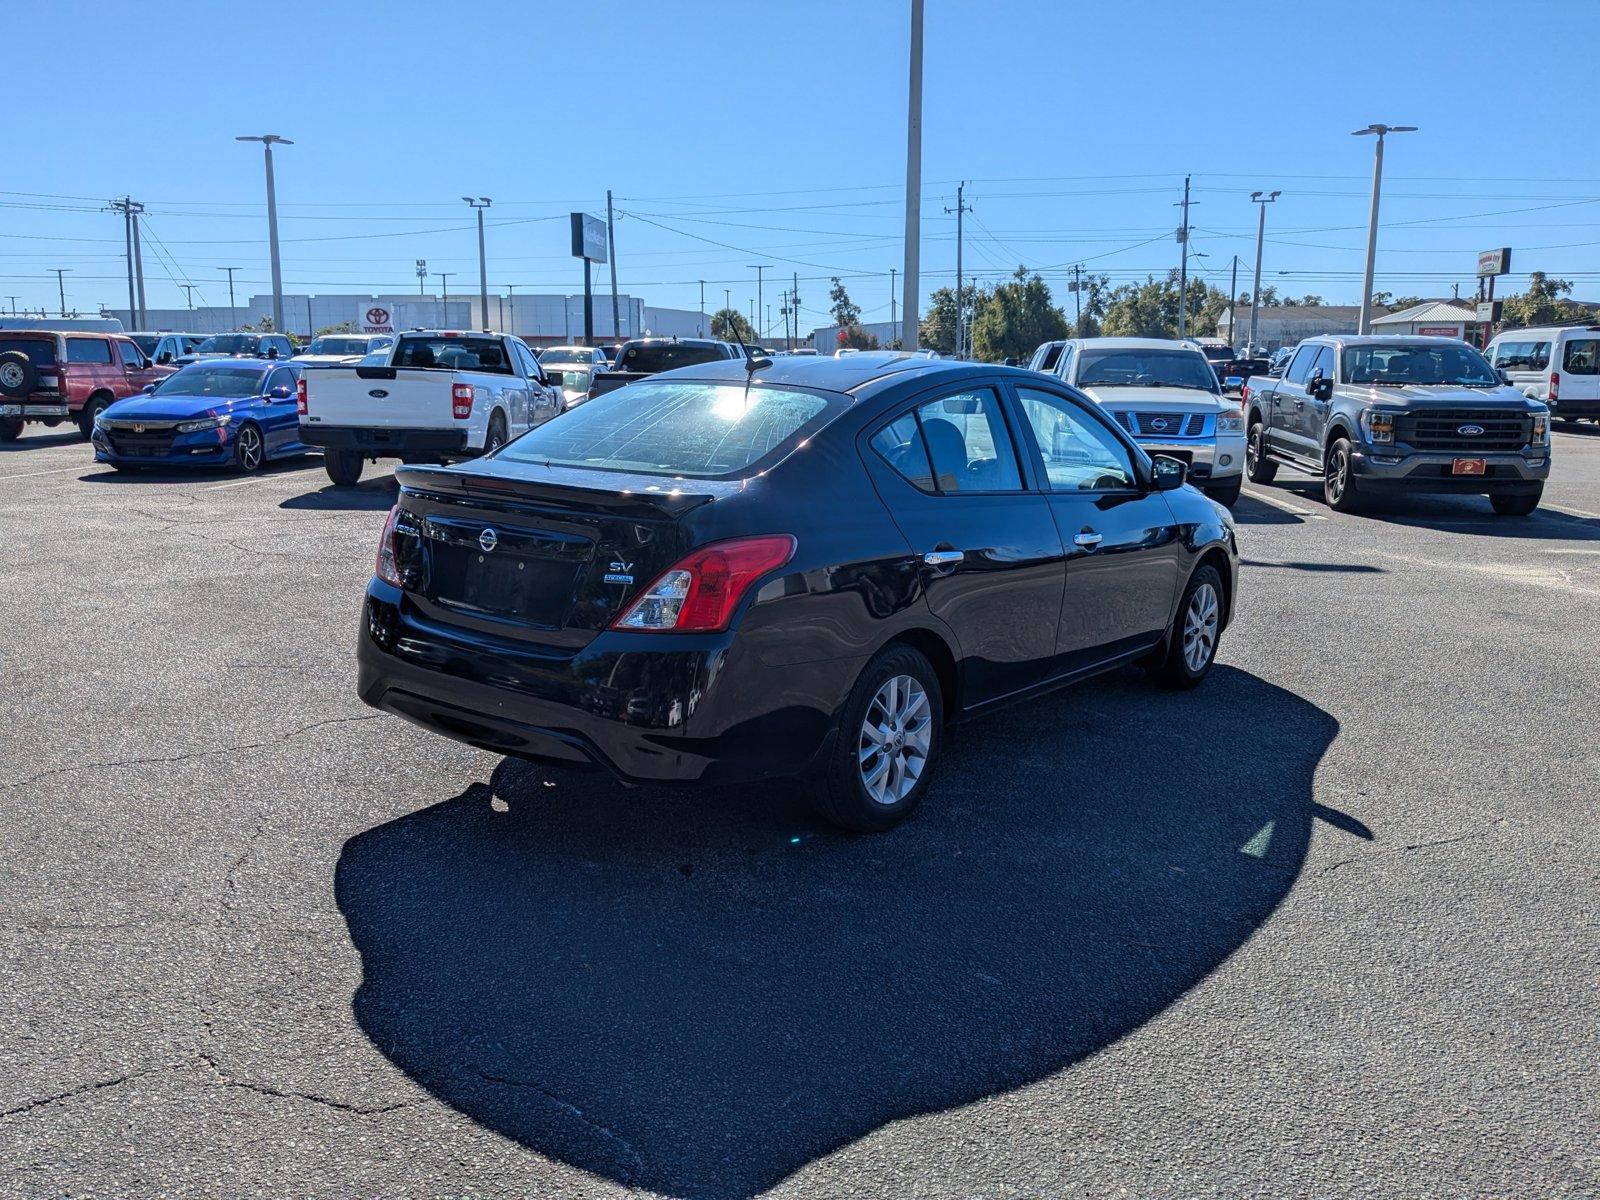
(67, 437)
(1249, 511)
(374, 495)
(210, 473)
(1471, 513)
(699, 993)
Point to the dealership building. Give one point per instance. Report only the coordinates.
(540, 319)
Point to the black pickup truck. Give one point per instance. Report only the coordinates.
(644, 357)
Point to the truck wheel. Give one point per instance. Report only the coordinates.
(92, 408)
(887, 744)
(496, 437)
(343, 467)
(1227, 494)
(11, 429)
(1196, 630)
(248, 452)
(1339, 487)
(1516, 504)
(1257, 465)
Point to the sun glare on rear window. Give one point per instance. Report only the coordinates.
(700, 429)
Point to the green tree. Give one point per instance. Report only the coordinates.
(1404, 302)
(1544, 303)
(1148, 309)
(1090, 302)
(343, 327)
(937, 330)
(728, 322)
(856, 338)
(1015, 318)
(845, 311)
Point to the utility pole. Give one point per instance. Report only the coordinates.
(128, 207)
(138, 268)
(444, 286)
(188, 295)
(702, 308)
(478, 205)
(727, 299)
(611, 253)
(1077, 295)
(1233, 298)
(794, 303)
(13, 300)
(1372, 220)
(233, 316)
(961, 208)
(267, 142)
(511, 295)
(758, 268)
(61, 284)
(1183, 264)
(913, 240)
(894, 325)
(1261, 236)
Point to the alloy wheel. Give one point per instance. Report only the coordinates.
(249, 448)
(896, 735)
(1338, 471)
(1200, 627)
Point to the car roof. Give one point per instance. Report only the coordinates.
(860, 374)
(1138, 343)
(1550, 329)
(243, 360)
(1381, 339)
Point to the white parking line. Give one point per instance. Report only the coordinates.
(217, 487)
(1265, 498)
(36, 474)
(1571, 512)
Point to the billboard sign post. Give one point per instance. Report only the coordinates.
(589, 244)
(1491, 264)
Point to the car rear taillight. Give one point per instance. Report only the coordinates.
(700, 592)
(1555, 386)
(388, 566)
(461, 400)
(300, 397)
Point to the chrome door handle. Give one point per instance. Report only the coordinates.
(943, 558)
(1089, 538)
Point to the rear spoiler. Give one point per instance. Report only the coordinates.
(621, 501)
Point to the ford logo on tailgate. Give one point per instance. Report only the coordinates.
(1469, 430)
(377, 393)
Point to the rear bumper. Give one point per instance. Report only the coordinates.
(1431, 472)
(372, 442)
(647, 708)
(31, 411)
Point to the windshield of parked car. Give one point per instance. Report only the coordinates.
(213, 381)
(1421, 364)
(340, 345)
(673, 428)
(1146, 368)
(439, 352)
(557, 355)
(664, 356)
(231, 343)
(146, 342)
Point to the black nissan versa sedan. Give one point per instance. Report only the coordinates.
(804, 567)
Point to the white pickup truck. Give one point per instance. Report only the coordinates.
(438, 396)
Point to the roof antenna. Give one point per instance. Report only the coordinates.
(753, 362)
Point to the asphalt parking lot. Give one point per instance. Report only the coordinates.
(1327, 926)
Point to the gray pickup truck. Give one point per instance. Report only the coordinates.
(1398, 414)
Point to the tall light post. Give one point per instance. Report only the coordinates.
(1263, 199)
(759, 269)
(268, 140)
(444, 303)
(702, 307)
(188, 295)
(913, 242)
(478, 205)
(61, 283)
(1380, 131)
(233, 315)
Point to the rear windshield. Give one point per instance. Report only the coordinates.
(146, 342)
(342, 345)
(666, 356)
(1431, 363)
(557, 355)
(40, 351)
(200, 380)
(231, 343)
(673, 428)
(436, 352)
(1146, 368)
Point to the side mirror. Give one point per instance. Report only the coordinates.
(272, 352)
(1321, 388)
(554, 379)
(148, 388)
(1503, 375)
(164, 357)
(281, 392)
(1167, 473)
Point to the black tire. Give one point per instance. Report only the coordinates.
(249, 449)
(343, 467)
(1516, 504)
(1257, 465)
(18, 376)
(843, 797)
(92, 408)
(1227, 494)
(11, 429)
(1178, 668)
(1340, 490)
(496, 435)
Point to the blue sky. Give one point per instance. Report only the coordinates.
(775, 132)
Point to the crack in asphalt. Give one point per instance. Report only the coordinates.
(574, 1111)
(176, 758)
(1409, 846)
(99, 1085)
(264, 1089)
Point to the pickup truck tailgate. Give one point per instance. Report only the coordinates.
(379, 397)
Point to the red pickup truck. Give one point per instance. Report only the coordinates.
(50, 377)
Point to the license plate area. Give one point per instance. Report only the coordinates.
(1469, 466)
(524, 575)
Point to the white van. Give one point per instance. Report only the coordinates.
(1558, 364)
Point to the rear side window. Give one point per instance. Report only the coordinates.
(900, 444)
(968, 444)
(88, 350)
(1522, 356)
(1582, 357)
(705, 430)
(41, 352)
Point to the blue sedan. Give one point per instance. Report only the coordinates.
(233, 412)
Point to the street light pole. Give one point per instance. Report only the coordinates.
(1380, 131)
(702, 308)
(758, 268)
(894, 325)
(478, 205)
(61, 284)
(913, 238)
(188, 295)
(233, 315)
(1261, 234)
(267, 142)
(444, 303)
